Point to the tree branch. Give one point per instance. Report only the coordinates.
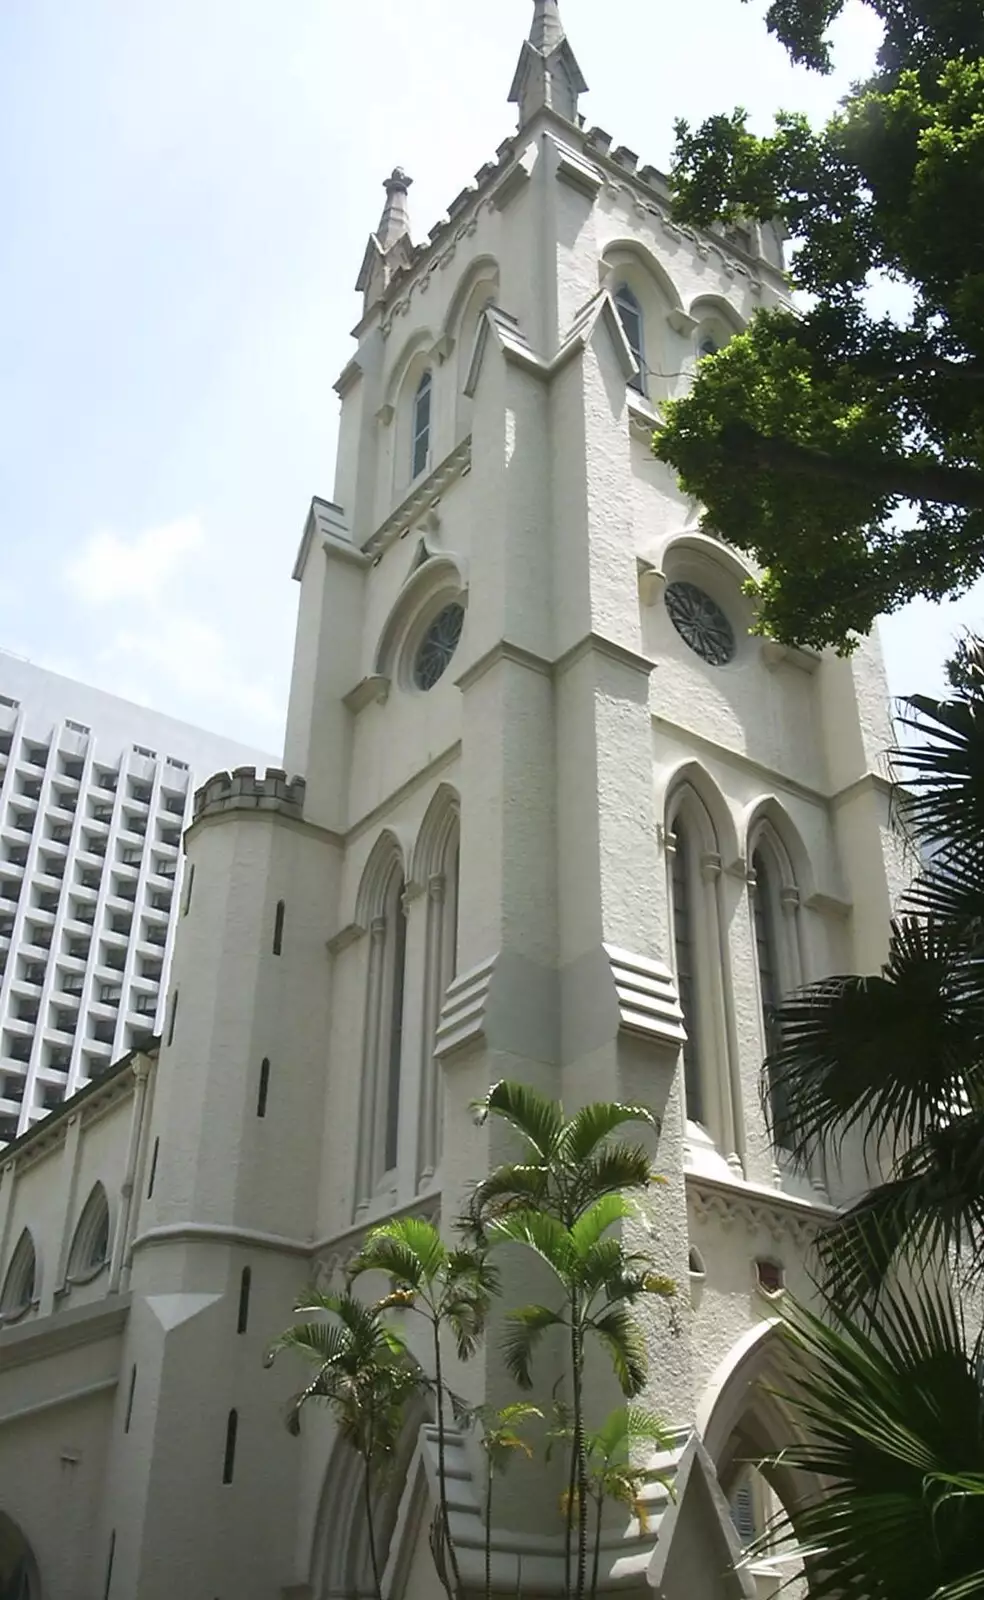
(895, 475)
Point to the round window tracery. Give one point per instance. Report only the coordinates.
(438, 645)
(701, 623)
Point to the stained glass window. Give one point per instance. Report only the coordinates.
(438, 645)
(701, 623)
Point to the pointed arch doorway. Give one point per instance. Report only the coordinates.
(19, 1576)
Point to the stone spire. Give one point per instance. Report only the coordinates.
(390, 247)
(395, 220)
(548, 74)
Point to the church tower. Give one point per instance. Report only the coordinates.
(549, 812)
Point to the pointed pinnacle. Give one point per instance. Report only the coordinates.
(548, 30)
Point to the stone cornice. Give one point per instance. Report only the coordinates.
(420, 499)
(43, 1337)
(334, 1253)
(755, 1207)
(220, 1233)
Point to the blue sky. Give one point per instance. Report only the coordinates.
(187, 190)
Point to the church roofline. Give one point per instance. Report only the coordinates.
(49, 1129)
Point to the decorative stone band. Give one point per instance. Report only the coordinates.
(533, 1563)
(549, 1015)
(243, 790)
(757, 1210)
(647, 996)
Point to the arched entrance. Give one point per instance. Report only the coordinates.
(341, 1568)
(742, 1421)
(19, 1578)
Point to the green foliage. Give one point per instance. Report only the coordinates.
(844, 452)
(364, 1373)
(891, 1410)
(899, 1058)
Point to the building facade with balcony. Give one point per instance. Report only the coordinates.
(554, 813)
(95, 793)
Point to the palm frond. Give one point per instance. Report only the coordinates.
(942, 770)
(594, 1223)
(523, 1331)
(623, 1339)
(593, 1124)
(541, 1233)
(506, 1187)
(536, 1118)
(878, 1055)
(889, 1405)
(950, 889)
(614, 1169)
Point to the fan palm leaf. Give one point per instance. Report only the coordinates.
(891, 1411)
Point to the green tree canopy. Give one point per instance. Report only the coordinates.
(845, 451)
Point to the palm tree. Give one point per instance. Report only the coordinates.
(564, 1168)
(600, 1281)
(365, 1374)
(501, 1441)
(450, 1289)
(891, 1408)
(565, 1165)
(899, 1058)
(610, 1473)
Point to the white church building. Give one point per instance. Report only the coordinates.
(549, 811)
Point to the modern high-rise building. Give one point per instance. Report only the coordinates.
(95, 793)
(554, 814)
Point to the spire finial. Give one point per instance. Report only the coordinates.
(548, 30)
(395, 220)
(548, 76)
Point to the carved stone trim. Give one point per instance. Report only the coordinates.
(647, 997)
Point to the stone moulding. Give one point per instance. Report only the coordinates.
(782, 1216)
(420, 499)
(648, 1003)
(463, 1015)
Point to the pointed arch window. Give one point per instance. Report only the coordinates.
(421, 425)
(383, 1040)
(775, 904)
(90, 1246)
(441, 966)
(630, 315)
(20, 1285)
(682, 874)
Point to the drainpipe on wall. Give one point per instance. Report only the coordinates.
(141, 1072)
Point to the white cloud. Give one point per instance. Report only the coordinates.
(111, 567)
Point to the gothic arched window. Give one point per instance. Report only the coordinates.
(682, 871)
(630, 314)
(383, 1042)
(439, 866)
(90, 1246)
(420, 432)
(701, 960)
(20, 1285)
(775, 906)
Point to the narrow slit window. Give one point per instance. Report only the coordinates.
(630, 315)
(422, 425)
(278, 928)
(245, 1284)
(172, 1018)
(153, 1168)
(189, 885)
(264, 1089)
(129, 1399)
(685, 954)
(109, 1564)
(229, 1460)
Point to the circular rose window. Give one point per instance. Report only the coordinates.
(701, 623)
(438, 645)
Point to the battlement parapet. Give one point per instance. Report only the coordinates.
(243, 790)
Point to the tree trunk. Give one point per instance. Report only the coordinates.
(577, 1350)
(597, 1548)
(441, 1472)
(371, 1528)
(571, 1477)
(488, 1532)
